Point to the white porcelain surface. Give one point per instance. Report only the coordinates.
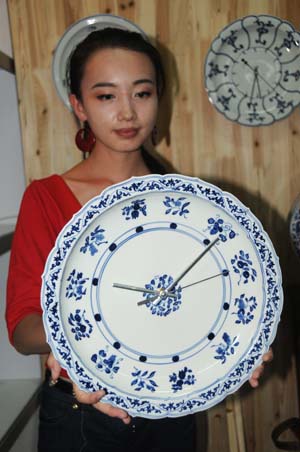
(184, 351)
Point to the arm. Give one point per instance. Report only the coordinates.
(29, 336)
(39, 222)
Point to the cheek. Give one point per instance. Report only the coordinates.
(151, 113)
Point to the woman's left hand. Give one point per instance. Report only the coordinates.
(253, 380)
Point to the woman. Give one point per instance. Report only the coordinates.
(115, 81)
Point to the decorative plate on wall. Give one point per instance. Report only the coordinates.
(164, 290)
(76, 33)
(252, 71)
(295, 226)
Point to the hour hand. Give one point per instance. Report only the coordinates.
(156, 292)
(134, 288)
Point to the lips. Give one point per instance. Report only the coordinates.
(127, 133)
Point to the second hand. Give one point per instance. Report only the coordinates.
(224, 273)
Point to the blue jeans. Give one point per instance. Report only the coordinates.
(68, 426)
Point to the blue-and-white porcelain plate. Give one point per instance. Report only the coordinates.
(178, 337)
(252, 70)
(295, 226)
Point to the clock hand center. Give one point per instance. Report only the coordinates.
(257, 73)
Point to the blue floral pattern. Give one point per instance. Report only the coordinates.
(144, 380)
(93, 241)
(105, 363)
(246, 306)
(196, 398)
(167, 304)
(225, 348)
(176, 206)
(81, 327)
(135, 209)
(76, 288)
(242, 265)
(218, 226)
(184, 377)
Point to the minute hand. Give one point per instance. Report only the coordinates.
(173, 284)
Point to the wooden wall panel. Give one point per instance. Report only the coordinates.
(260, 165)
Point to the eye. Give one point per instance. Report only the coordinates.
(105, 96)
(143, 94)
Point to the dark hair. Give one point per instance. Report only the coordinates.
(106, 39)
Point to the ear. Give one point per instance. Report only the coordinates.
(78, 107)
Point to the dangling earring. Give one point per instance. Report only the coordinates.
(85, 139)
(154, 136)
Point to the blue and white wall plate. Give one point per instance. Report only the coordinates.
(252, 70)
(164, 290)
(295, 226)
(73, 35)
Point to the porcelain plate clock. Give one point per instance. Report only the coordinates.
(164, 290)
(252, 70)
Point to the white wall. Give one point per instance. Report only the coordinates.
(5, 41)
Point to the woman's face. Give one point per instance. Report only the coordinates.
(118, 98)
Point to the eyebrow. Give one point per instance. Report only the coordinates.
(113, 85)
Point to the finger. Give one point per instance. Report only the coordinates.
(267, 357)
(89, 398)
(253, 380)
(112, 411)
(93, 398)
(54, 367)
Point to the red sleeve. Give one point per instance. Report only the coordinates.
(40, 220)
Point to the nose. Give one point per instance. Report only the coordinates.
(126, 111)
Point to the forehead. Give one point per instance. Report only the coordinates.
(113, 63)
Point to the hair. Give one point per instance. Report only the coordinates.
(111, 38)
(116, 38)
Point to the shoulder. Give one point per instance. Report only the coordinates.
(43, 196)
(49, 183)
(51, 187)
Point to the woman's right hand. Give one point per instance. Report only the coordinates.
(89, 398)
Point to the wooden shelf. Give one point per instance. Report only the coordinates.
(19, 400)
(7, 63)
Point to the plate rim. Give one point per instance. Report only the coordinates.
(114, 399)
(71, 35)
(210, 50)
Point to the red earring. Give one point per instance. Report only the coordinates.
(85, 139)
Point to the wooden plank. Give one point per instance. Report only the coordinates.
(259, 165)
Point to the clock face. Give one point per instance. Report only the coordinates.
(252, 70)
(164, 290)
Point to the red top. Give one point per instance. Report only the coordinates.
(47, 205)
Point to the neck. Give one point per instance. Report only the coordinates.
(118, 165)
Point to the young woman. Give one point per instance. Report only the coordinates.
(115, 81)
